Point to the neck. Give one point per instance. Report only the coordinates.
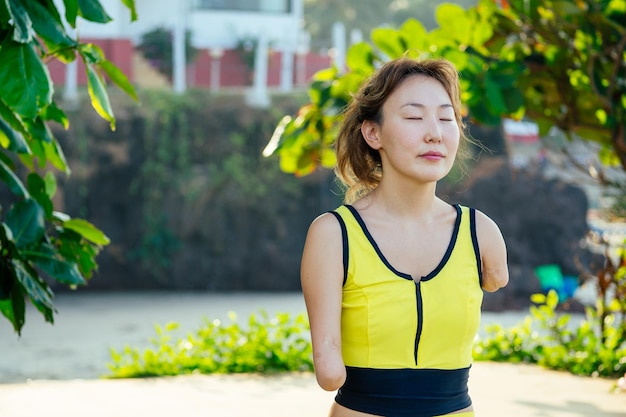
(415, 201)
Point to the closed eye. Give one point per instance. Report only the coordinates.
(414, 118)
(446, 120)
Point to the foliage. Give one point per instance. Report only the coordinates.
(37, 242)
(320, 15)
(559, 63)
(157, 47)
(594, 347)
(265, 345)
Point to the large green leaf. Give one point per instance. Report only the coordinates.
(12, 119)
(92, 10)
(360, 58)
(22, 26)
(48, 26)
(54, 265)
(415, 36)
(12, 180)
(25, 85)
(98, 95)
(91, 53)
(131, 7)
(117, 76)
(389, 42)
(54, 154)
(454, 21)
(39, 293)
(52, 112)
(38, 190)
(71, 11)
(87, 230)
(11, 140)
(26, 221)
(14, 309)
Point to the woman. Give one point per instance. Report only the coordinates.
(393, 278)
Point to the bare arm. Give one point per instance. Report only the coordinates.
(322, 280)
(493, 253)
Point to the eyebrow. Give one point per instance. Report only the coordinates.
(420, 105)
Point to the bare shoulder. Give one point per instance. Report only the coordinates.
(322, 255)
(493, 253)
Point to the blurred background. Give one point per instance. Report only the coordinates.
(190, 203)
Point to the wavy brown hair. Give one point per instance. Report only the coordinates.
(358, 166)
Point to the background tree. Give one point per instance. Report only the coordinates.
(365, 15)
(37, 243)
(559, 63)
(157, 47)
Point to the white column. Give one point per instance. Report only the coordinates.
(70, 94)
(339, 46)
(286, 74)
(216, 56)
(71, 83)
(304, 40)
(178, 48)
(258, 96)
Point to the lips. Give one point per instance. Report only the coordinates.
(432, 155)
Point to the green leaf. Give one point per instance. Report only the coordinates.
(50, 184)
(54, 154)
(117, 76)
(38, 190)
(22, 26)
(98, 95)
(452, 19)
(56, 266)
(360, 58)
(26, 221)
(130, 4)
(493, 96)
(91, 53)
(93, 11)
(11, 140)
(25, 85)
(38, 292)
(14, 309)
(415, 36)
(87, 230)
(12, 180)
(52, 112)
(538, 298)
(12, 119)
(71, 11)
(48, 26)
(389, 42)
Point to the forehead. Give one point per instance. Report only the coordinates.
(419, 91)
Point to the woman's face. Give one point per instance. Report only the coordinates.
(419, 135)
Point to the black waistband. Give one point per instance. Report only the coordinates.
(405, 392)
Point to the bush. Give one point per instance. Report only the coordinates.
(266, 345)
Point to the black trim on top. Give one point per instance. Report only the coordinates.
(359, 219)
(476, 247)
(344, 238)
(404, 275)
(455, 234)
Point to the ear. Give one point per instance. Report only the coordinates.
(370, 131)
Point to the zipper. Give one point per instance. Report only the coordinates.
(418, 331)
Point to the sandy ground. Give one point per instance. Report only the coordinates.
(54, 370)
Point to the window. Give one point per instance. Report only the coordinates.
(269, 6)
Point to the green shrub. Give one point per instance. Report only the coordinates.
(265, 345)
(546, 338)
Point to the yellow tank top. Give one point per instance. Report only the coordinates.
(389, 321)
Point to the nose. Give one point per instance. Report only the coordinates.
(433, 131)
